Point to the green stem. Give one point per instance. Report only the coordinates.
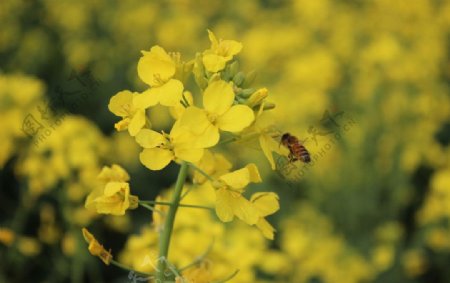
(149, 207)
(170, 219)
(145, 202)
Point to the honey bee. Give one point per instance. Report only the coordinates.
(296, 150)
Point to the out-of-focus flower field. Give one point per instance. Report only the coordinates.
(364, 85)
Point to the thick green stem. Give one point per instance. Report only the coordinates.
(170, 219)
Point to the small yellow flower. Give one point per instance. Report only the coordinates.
(133, 117)
(160, 149)
(229, 199)
(264, 129)
(220, 53)
(157, 69)
(219, 113)
(266, 203)
(95, 248)
(114, 198)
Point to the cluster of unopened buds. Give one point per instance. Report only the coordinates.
(225, 109)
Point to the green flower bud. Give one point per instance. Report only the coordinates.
(247, 92)
(249, 79)
(239, 78)
(199, 72)
(257, 97)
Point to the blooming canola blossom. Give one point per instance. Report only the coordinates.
(133, 115)
(157, 69)
(220, 53)
(219, 113)
(160, 148)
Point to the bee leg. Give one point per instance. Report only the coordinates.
(291, 158)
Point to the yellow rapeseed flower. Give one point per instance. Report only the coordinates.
(264, 129)
(114, 198)
(218, 113)
(133, 116)
(220, 53)
(160, 149)
(266, 203)
(157, 69)
(95, 248)
(229, 199)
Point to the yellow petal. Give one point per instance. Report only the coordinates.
(265, 202)
(137, 122)
(183, 135)
(155, 158)
(265, 143)
(266, 229)
(210, 137)
(236, 118)
(195, 120)
(146, 99)
(90, 200)
(120, 103)
(156, 67)
(253, 173)
(218, 97)
(213, 39)
(113, 173)
(150, 139)
(204, 134)
(214, 63)
(229, 48)
(224, 209)
(189, 154)
(115, 205)
(88, 237)
(245, 211)
(238, 179)
(112, 188)
(122, 124)
(170, 93)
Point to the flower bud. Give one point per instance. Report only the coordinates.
(249, 79)
(239, 78)
(257, 97)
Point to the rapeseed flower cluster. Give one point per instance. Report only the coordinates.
(223, 107)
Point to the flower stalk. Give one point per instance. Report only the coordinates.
(166, 232)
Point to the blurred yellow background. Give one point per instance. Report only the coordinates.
(365, 85)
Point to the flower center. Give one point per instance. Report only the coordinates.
(212, 117)
(159, 81)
